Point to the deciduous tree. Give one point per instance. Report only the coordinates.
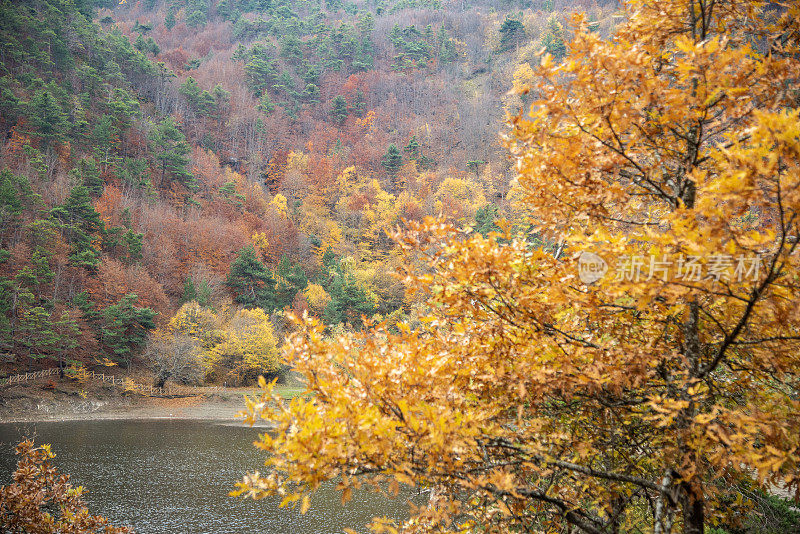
(540, 395)
(42, 500)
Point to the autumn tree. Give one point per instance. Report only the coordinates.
(640, 378)
(42, 500)
(198, 344)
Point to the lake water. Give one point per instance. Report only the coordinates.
(174, 477)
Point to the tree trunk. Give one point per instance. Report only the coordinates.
(693, 508)
(161, 379)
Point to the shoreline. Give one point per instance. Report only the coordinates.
(33, 405)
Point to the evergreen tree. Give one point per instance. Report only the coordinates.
(171, 149)
(104, 136)
(412, 148)
(311, 93)
(261, 71)
(133, 242)
(511, 33)
(9, 103)
(190, 89)
(392, 161)
(266, 104)
(475, 166)
(447, 47)
(125, 326)
(251, 282)
(15, 195)
(485, 218)
(339, 111)
(89, 173)
(359, 104)
(290, 279)
(47, 116)
(79, 222)
(553, 38)
(349, 300)
(169, 20)
(35, 332)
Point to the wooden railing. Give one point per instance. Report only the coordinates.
(126, 383)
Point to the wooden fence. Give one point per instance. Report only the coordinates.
(126, 383)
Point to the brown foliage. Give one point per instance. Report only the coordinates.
(42, 501)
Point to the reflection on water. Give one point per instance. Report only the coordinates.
(174, 477)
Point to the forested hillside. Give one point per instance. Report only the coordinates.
(233, 156)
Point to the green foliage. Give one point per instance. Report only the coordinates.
(201, 101)
(414, 47)
(15, 196)
(447, 47)
(88, 172)
(252, 283)
(475, 166)
(125, 326)
(359, 104)
(311, 93)
(290, 279)
(339, 110)
(553, 38)
(350, 300)
(9, 103)
(392, 161)
(200, 293)
(46, 114)
(512, 32)
(412, 148)
(170, 147)
(261, 68)
(79, 223)
(485, 218)
(265, 104)
(169, 19)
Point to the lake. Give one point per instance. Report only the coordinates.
(169, 476)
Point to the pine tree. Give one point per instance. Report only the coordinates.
(511, 33)
(485, 218)
(290, 279)
(79, 222)
(89, 174)
(171, 149)
(47, 116)
(251, 282)
(412, 148)
(169, 20)
(392, 161)
(339, 111)
(349, 299)
(359, 105)
(125, 326)
(553, 38)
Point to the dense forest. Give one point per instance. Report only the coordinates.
(537, 259)
(233, 156)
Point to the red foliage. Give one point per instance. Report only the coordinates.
(176, 59)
